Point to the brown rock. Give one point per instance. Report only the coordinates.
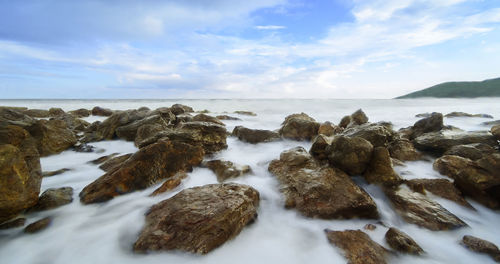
(355, 119)
(147, 131)
(144, 168)
(328, 129)
(462, 114)
(102, 159)
(107, 129)
(178, 109)
(211, 136)
(170, 183)
(403, 149)
(358, 247)
(440, 187)
(54, 173)
(52, 136)
(226, 117)
(80, 112)
(129, 131)
(255, 136)
(56, 111)
(318, 191)
(198, 219)
(319, 146)
(471, 151)
(350, 154)
(248, 113)
(14, 117)
(495, 130)
(432, 123)
(224, 169)
(402, 242)
(53, 198)
(378, 134)
(380, 169)
(18, 222)
(440, 142)
(481, 246)
(299, 127)
(38, 113)
(38, 225)
(370, 227)
(99, 111)
(207, 118)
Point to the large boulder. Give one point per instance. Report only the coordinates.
(378, 134)
(471, 151)
(53, 198)
(207, 118)
(329, 129)
(147, 131)
(56, 111)
(481, 246)
(440, 142)
(38, 113)
(82, 112)
(319, 146)
(440, 187)
(403, 149)
(225, 169)
(254, 136)
(72, 122)
(380, 170)
(350, 154)
(402, 242)
(100, 111)
(433, 123)
(178, 109)
(198, 219)
(113, 162)
(418, 209)
(299, 127)
(319, 191)
(129, 131)
(52, 136)
(15, 117)
(107, 129)
(358, 247)
(145, 168)
(355, 119)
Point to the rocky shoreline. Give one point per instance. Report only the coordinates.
(316, 182)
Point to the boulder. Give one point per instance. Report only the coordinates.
(147, 131)
(319, 191)
(355, 119)
(178, 109)
(402, 242)
(225, 169)
(299, 127)
(319, 146)
(114, 162)
(495, 130)
(56, 111)
(433, 123)
(14, 117)
(82, 112)
(102, 159)
(440, 187)
(129, 131)
(378, 134)
(198, 219)
(18, 222)
(211, 136)
(38, 113)
(471, 151)
(254, 136)
(350, 154)
(481, 246)
(462, 114)
(247, 113)
(107, 129)
(52, 136)
(358, 247)
(100, 111)
(72, 122)
(144, 168)
(417, 209)
(53, 198)
(207, 118)
(170, 183)
(329, 129)
(38, 225)
(440, 142)
(403, 149)
(226, 117)
(380, 170)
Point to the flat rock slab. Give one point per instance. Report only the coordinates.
(358, 247)
(198, 219)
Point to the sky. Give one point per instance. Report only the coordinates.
(243, 49)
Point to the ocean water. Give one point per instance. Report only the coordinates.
(105, 233)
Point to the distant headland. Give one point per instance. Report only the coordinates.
(486, 88)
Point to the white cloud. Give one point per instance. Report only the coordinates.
(269, 27)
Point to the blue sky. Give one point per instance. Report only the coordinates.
(243, 49)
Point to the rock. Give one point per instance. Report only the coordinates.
(226, 117)
(319, 146)
(380, 169)
(357, 118)
(99, 111)
(56, 111)
(491, 123)
(147, 131)
(328, 129)
(440, 187)
(345, 121)
(224, 169)
(38, 113)
(129, 131)
(54, 173)
(207, 118)
(83, 147)
(38, 225)
(211, 136)
(113, 162)
(470, 151)
(423, 115)
(319, 191)
(107, 129)
(495, 130)
(403, 149)
(183, 118)
(102, 159)
(379, 135)
(198, 219)
(433, 123)
(53, 198)
(203, 111)
(350, 154)
(401, 242)
(254, 136)
(440, 142)
(462, 114)
(144, 168)
(72, 122)
(481, 246)
(52, 136)
(247, 113)
(18, 222)
(170, 183)
(82, 112)
(417, 209)
(13, 117)
(178, 109)
(358, 247)
(299, 127)
(370, 227)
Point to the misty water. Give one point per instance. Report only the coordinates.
(105, 233)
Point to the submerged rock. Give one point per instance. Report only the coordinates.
(38, 225)
(380, 169)
(255, 136)
(226, 117)
(18, 222)
(481, 246)
(198, 219)
(440, 142)
(248, 113)
(144, 168)
(54, 173)
(440, 187)
(462, 114)
(402, 242)
(53, 198)
(358, 247)
(225, 170)
(318, 191)
(350, 154)
(299, 127)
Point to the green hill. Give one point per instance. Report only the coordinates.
(487, 88)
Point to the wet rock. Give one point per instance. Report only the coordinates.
(247, 113)
(198, 219)
(107, 129)
(423, 115)
(380, 169)
(114, 162)
(211, 136)
(203, 111)
(481, 246)
(56, 111)
(144, 168)
(328, 129)
(226, 117)
(83, 147)
(82, 112)
(355, 119)
(440, 142)
(462, 114)
(225, 169)
(495, 130)
(54, 173)
(178, 109)
(255, 136)
(320, 191)
(129, 131)
(52, 136)
(378, 134)
(14, 117)
(491, 123)
(147, 131)
(358, 247)
(417, 209)
(53, 198)
(38, 225)
(470, 151)
(440, 187)
(402, 242)
(38, 113)
(100, 111)
(73, 123)
(102, 159)
(403, 149)
(370, 227)
(18, 222)
(207, 118)
(183, 118)
(299, 127)
(350, 154)
(432, 123)
(319, 146)
(170, 183)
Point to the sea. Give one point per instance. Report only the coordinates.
(105, 233)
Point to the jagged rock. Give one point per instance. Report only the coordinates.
(183, 118)
(319, 191)
(319, 146)
(207, 118)
(433, 123)
(170, 183)
(481, 246)
(255, 136)
(72, 122)
(178, 109)
(226, 117)
(378, 134)
(83, 147)
(328, 129)
(417, 209)
(99, 111)
(147, 131)
(38, 225)
(113, 162)
(38, 113)
(107, 129)
(355, 119)
(79, 113)
(440, 187)
(350, 154)
(56, 111)
(470, 151)
(495, 130)
(198, 219)
(440, 142)
(129, 131)
(224, 169)
(248, 113)
(402, 242)
(54, 173)
(380, 169)
(144, 168)
(14, 117)
(52, 136)
(462, 114)
(403, 149)
(53, 198)
(299, 127)
(18, 222)
(358, 247)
